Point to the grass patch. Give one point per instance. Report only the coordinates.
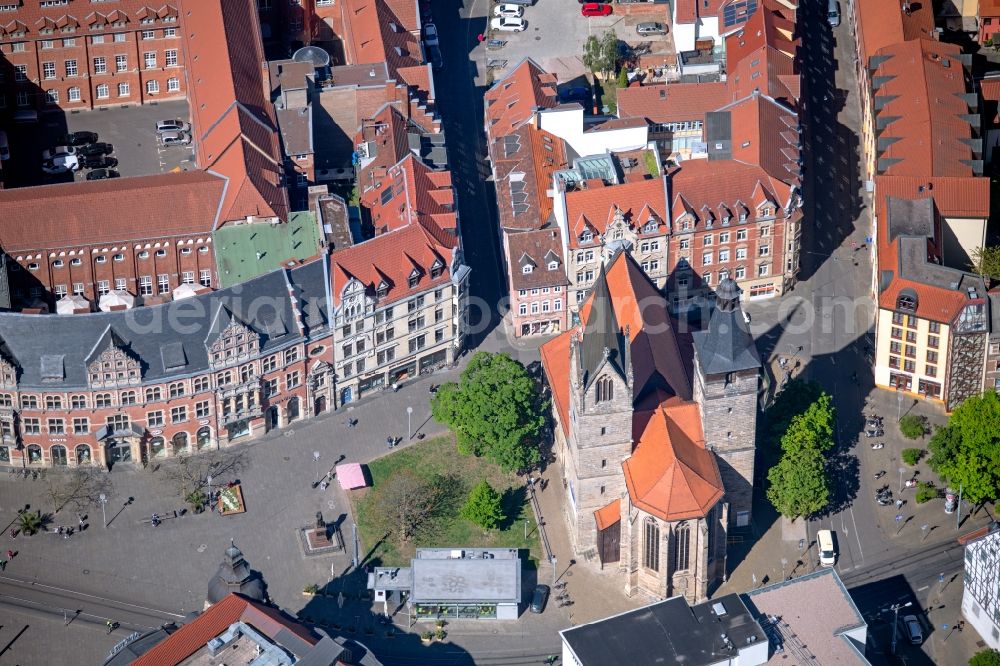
(652, 163)
(440, 457)
(607, 95)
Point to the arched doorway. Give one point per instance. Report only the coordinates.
(34, 454)
(83, 455)
(204, 438)
(319, 405)
(292, 410)
(119, 450)
(179, 444)
(59, 456)
(157, 448)
(271, 417)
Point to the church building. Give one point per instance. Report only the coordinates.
(655, 432)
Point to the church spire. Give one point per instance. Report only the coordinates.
(603, 340)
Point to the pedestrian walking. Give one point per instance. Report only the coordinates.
(3, 565)
(10, 554)
(854, 245)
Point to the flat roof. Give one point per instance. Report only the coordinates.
(668, 631)
(244, 251)
(444, 580)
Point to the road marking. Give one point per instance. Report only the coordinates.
(84, 594)
(856, 535)
(921, 589)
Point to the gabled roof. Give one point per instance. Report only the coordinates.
(513, 99)
(595, 204)
(411, 191)
(233, 121)
(675, 102)
(713, 183)
(382, 30)
(882, 23)
(671, 475)
(920, 107)
(540, 245)
(766, 133)
(602, 341)
(109, 339)
(104, 211)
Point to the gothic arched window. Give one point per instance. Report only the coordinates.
(605, 389)
(682, 547)
(651, 544)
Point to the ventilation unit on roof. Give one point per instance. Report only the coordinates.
(367, 150)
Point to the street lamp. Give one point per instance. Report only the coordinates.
(895, 620)
(784, 563)
(104, 501)
(409, 430)
(553, 571)
(316, 465)
(208, 480)
(901, 470)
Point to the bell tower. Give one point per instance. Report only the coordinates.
(726, 379)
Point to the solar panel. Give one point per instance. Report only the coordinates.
(738, 12)
(386, 194)
(511, 144)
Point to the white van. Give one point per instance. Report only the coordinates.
(827, 548)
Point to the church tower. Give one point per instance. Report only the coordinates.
(726, 378)
(234, 575)
(600, 377)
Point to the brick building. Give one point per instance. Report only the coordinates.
(655, 466)
(55, 55)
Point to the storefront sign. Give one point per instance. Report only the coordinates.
(155, 432)
(203, 422)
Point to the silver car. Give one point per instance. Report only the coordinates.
(172, 125)
(175, 138)
(651, 28)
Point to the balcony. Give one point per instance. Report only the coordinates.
(241, 415)
(234, 390)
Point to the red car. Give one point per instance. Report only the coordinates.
(595, 9)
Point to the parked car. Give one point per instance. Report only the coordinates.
(913, 630)
(78, 138)
(508, 24)
(539, 598)
(98, 162)
(437, 61)
(102, 174)
(58, 151)
(61, 164)
(175, 138)
(651, 28)
(508, 9)
(431, 35)
(595, 9)
(172, 125)
(95, 149)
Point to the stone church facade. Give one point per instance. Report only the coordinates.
(657, 449)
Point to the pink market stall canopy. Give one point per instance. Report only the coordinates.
(351, 475)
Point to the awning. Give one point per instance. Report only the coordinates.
(72, 304)
(117, 300)
(351, 475)
(188, 291)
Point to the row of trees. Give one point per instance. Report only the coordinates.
(966, 451)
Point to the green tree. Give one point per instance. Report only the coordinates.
(986, 262)
(623, 78)
(985, 658)
(812, 429)
(793, 400)
(966, 452)
(30, 522)
(484, 506)
(495, 411)
(798, 485)
(913, 426)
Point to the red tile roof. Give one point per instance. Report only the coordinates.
(104, 211)
(923, 81)
(233, 120)
(671, 475)
(34, 16)
(765, 133)
(417, 193)
(193, 636)
(708, 186)
(391, 258)
(513, 99)
(883, 22)
(380, 31)
(772, 27)
(608, 515)
(675, 102)
(531, 155)
(594, 207)
(688, 11)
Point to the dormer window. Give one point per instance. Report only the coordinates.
(553, 265)
(907, 301)
(618, 234)
(526, 269)
(382, 291)
(587, 237)
(743, 215)
(437, 269)
(685, 225)
(414, 278)
(650, 227)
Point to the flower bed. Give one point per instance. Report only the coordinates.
(231, 500)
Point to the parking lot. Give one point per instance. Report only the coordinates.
(131, 130)
(556, 33)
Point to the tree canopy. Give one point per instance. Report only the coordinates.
(966, 451)
(986, 262)
(799, 485)
(495, 411)
(404, 502)
(484, 506)
(601, 54)
(985, 658)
